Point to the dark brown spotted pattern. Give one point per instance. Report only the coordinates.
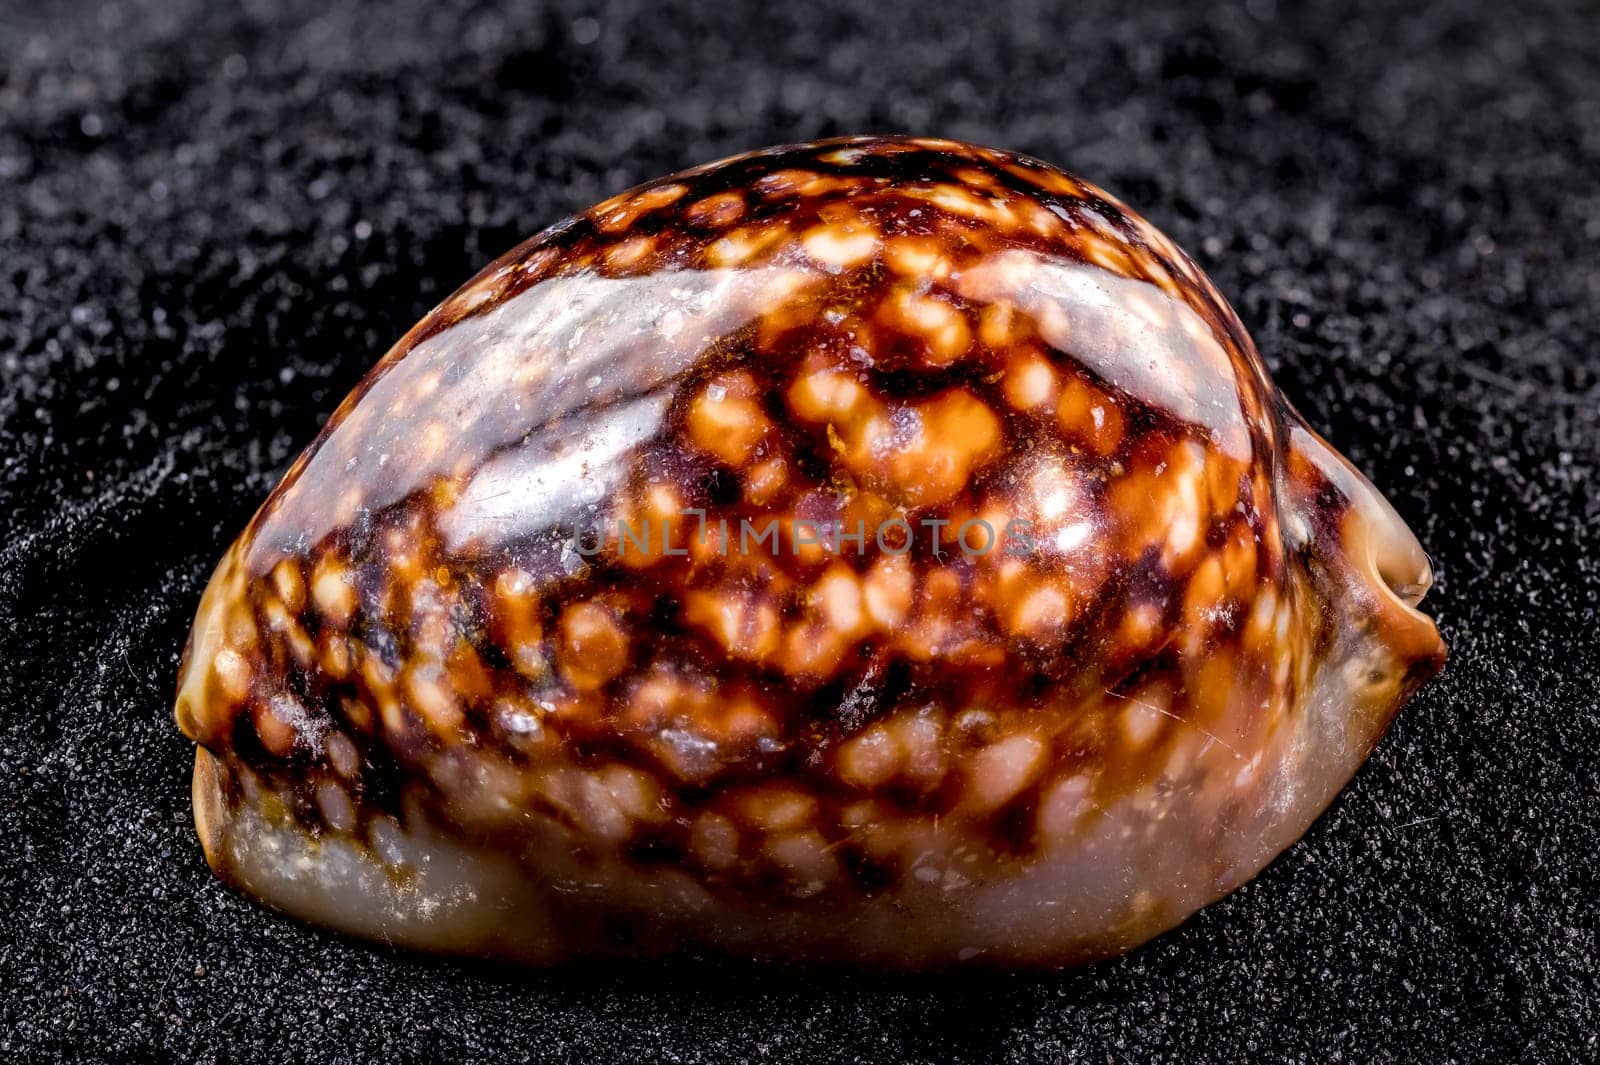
(1064, 623)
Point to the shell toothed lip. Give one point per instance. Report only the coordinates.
(880, 551)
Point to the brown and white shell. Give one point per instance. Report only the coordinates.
(879, 550)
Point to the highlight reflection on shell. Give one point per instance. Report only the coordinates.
(877, 550)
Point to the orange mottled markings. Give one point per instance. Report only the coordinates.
(775, 809)
(1112, 256)
(659, 698)
(1222, 482)
(650, 523)
(714, 841)
(825, 394)
(1089, 417)
(1239, 561)
(1186, 507)
(1002, 328)
(358, 713)
(920, 736)
(333, 591)
(469, 676)
(430, 692)
(940, 328)
(289, 585)
(743, 622)
(888, 591)
(232, 672)
(1160, 502)
(999, 773)
(840, 245)
(1214, 691)
(630, 254)
(333, 654)
(716, 211)
(621, 213)
(742, 246)
(1143, 714)
(1202, 604)
(934, 627)
(922, 453)
(1040, 610)
(806, 860)
(739, 717)
(594, 646)
(1048, 178)
(834, 617)
(933, 457)
(516, 614)
(290, 632)
(766, 480)
(961, 203)
(1030, 381)
(837, 599)
(783, 183)
(276, 733)
(1139, 631)
(726, 419)
(918, 258)
(870, 759)
(1064, 807)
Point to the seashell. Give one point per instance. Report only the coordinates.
(881, 551)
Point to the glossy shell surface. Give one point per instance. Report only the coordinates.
(881, 551)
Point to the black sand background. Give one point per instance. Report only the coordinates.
(214, 218)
